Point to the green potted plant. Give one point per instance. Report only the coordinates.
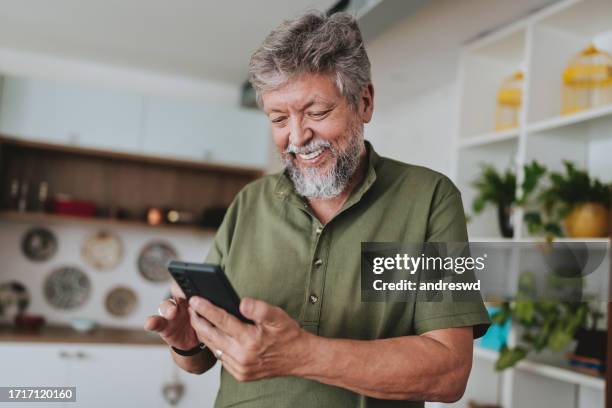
(574, 200)
(499, 189)
(544, 323)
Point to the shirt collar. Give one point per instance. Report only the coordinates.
(284, 186)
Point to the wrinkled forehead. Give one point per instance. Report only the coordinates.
(301, 92)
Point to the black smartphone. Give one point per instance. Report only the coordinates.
(207, 281)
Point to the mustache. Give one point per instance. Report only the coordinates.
(310, 147)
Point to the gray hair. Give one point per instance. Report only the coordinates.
(313, 43)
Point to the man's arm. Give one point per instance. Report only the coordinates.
(432, 367)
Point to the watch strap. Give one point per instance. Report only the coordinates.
(191, 352)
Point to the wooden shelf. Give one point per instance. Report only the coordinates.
(156, 160)
(66, 334)
(45, 218)
(561, 371)
(116, 181)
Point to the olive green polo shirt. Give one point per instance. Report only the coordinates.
(272, 247)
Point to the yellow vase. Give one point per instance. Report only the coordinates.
(589, 220)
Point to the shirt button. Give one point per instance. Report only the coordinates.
(319, 230)
(318, 262)
(313, 299)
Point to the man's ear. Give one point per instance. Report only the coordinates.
(366, 105)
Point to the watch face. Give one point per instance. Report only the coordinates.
(103, 250)
(39, 244)
(121, 301)
(153, 260)
(67, 288)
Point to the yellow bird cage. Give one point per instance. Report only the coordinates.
(587, 81)
(509, 101)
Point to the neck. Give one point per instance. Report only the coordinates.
(326, 208)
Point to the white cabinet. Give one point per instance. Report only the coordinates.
(105, 375)
(199, 131)
(111, 119)
(70, 114)
(38, 365)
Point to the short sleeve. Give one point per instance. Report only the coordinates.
(223, 238)
(446, 224)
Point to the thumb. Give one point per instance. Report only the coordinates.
(259, 311)
(155, 324)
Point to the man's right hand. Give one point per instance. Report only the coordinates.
(174, 326)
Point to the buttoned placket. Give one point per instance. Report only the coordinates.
(311, 311)
(320, 243)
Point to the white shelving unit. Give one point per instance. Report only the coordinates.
(558, 372)
(541, 45)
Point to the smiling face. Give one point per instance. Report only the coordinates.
(317, 133)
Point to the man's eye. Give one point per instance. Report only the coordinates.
(278, 120)
(318, 114)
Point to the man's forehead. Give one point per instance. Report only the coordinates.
(300, 93)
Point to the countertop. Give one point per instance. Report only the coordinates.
(66, 334)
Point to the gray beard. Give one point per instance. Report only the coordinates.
(308, 182)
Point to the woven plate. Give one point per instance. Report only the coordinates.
(102, 250)
(67, 288)
(153, 260)
(121, 301)
(39, 244)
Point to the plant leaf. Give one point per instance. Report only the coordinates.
(508, 357)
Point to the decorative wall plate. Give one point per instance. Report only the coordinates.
(153, 260)
(102, 250)
(121, 301)
(14, 299)
(67, 288)
(39, 244)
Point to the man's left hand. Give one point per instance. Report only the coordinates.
(275, 345)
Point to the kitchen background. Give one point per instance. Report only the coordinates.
(126, 130)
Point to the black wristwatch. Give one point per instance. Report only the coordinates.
(191, 351)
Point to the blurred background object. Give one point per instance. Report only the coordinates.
(509, 100)
(587, 81)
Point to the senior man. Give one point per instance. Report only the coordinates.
(290, 244)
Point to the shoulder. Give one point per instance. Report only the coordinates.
(416, 179)
(257, 190)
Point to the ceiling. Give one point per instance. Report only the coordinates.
(413, 44)
(200, 39)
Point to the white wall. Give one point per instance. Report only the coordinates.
(418, 130)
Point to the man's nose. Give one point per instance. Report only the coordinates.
(299, 134)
